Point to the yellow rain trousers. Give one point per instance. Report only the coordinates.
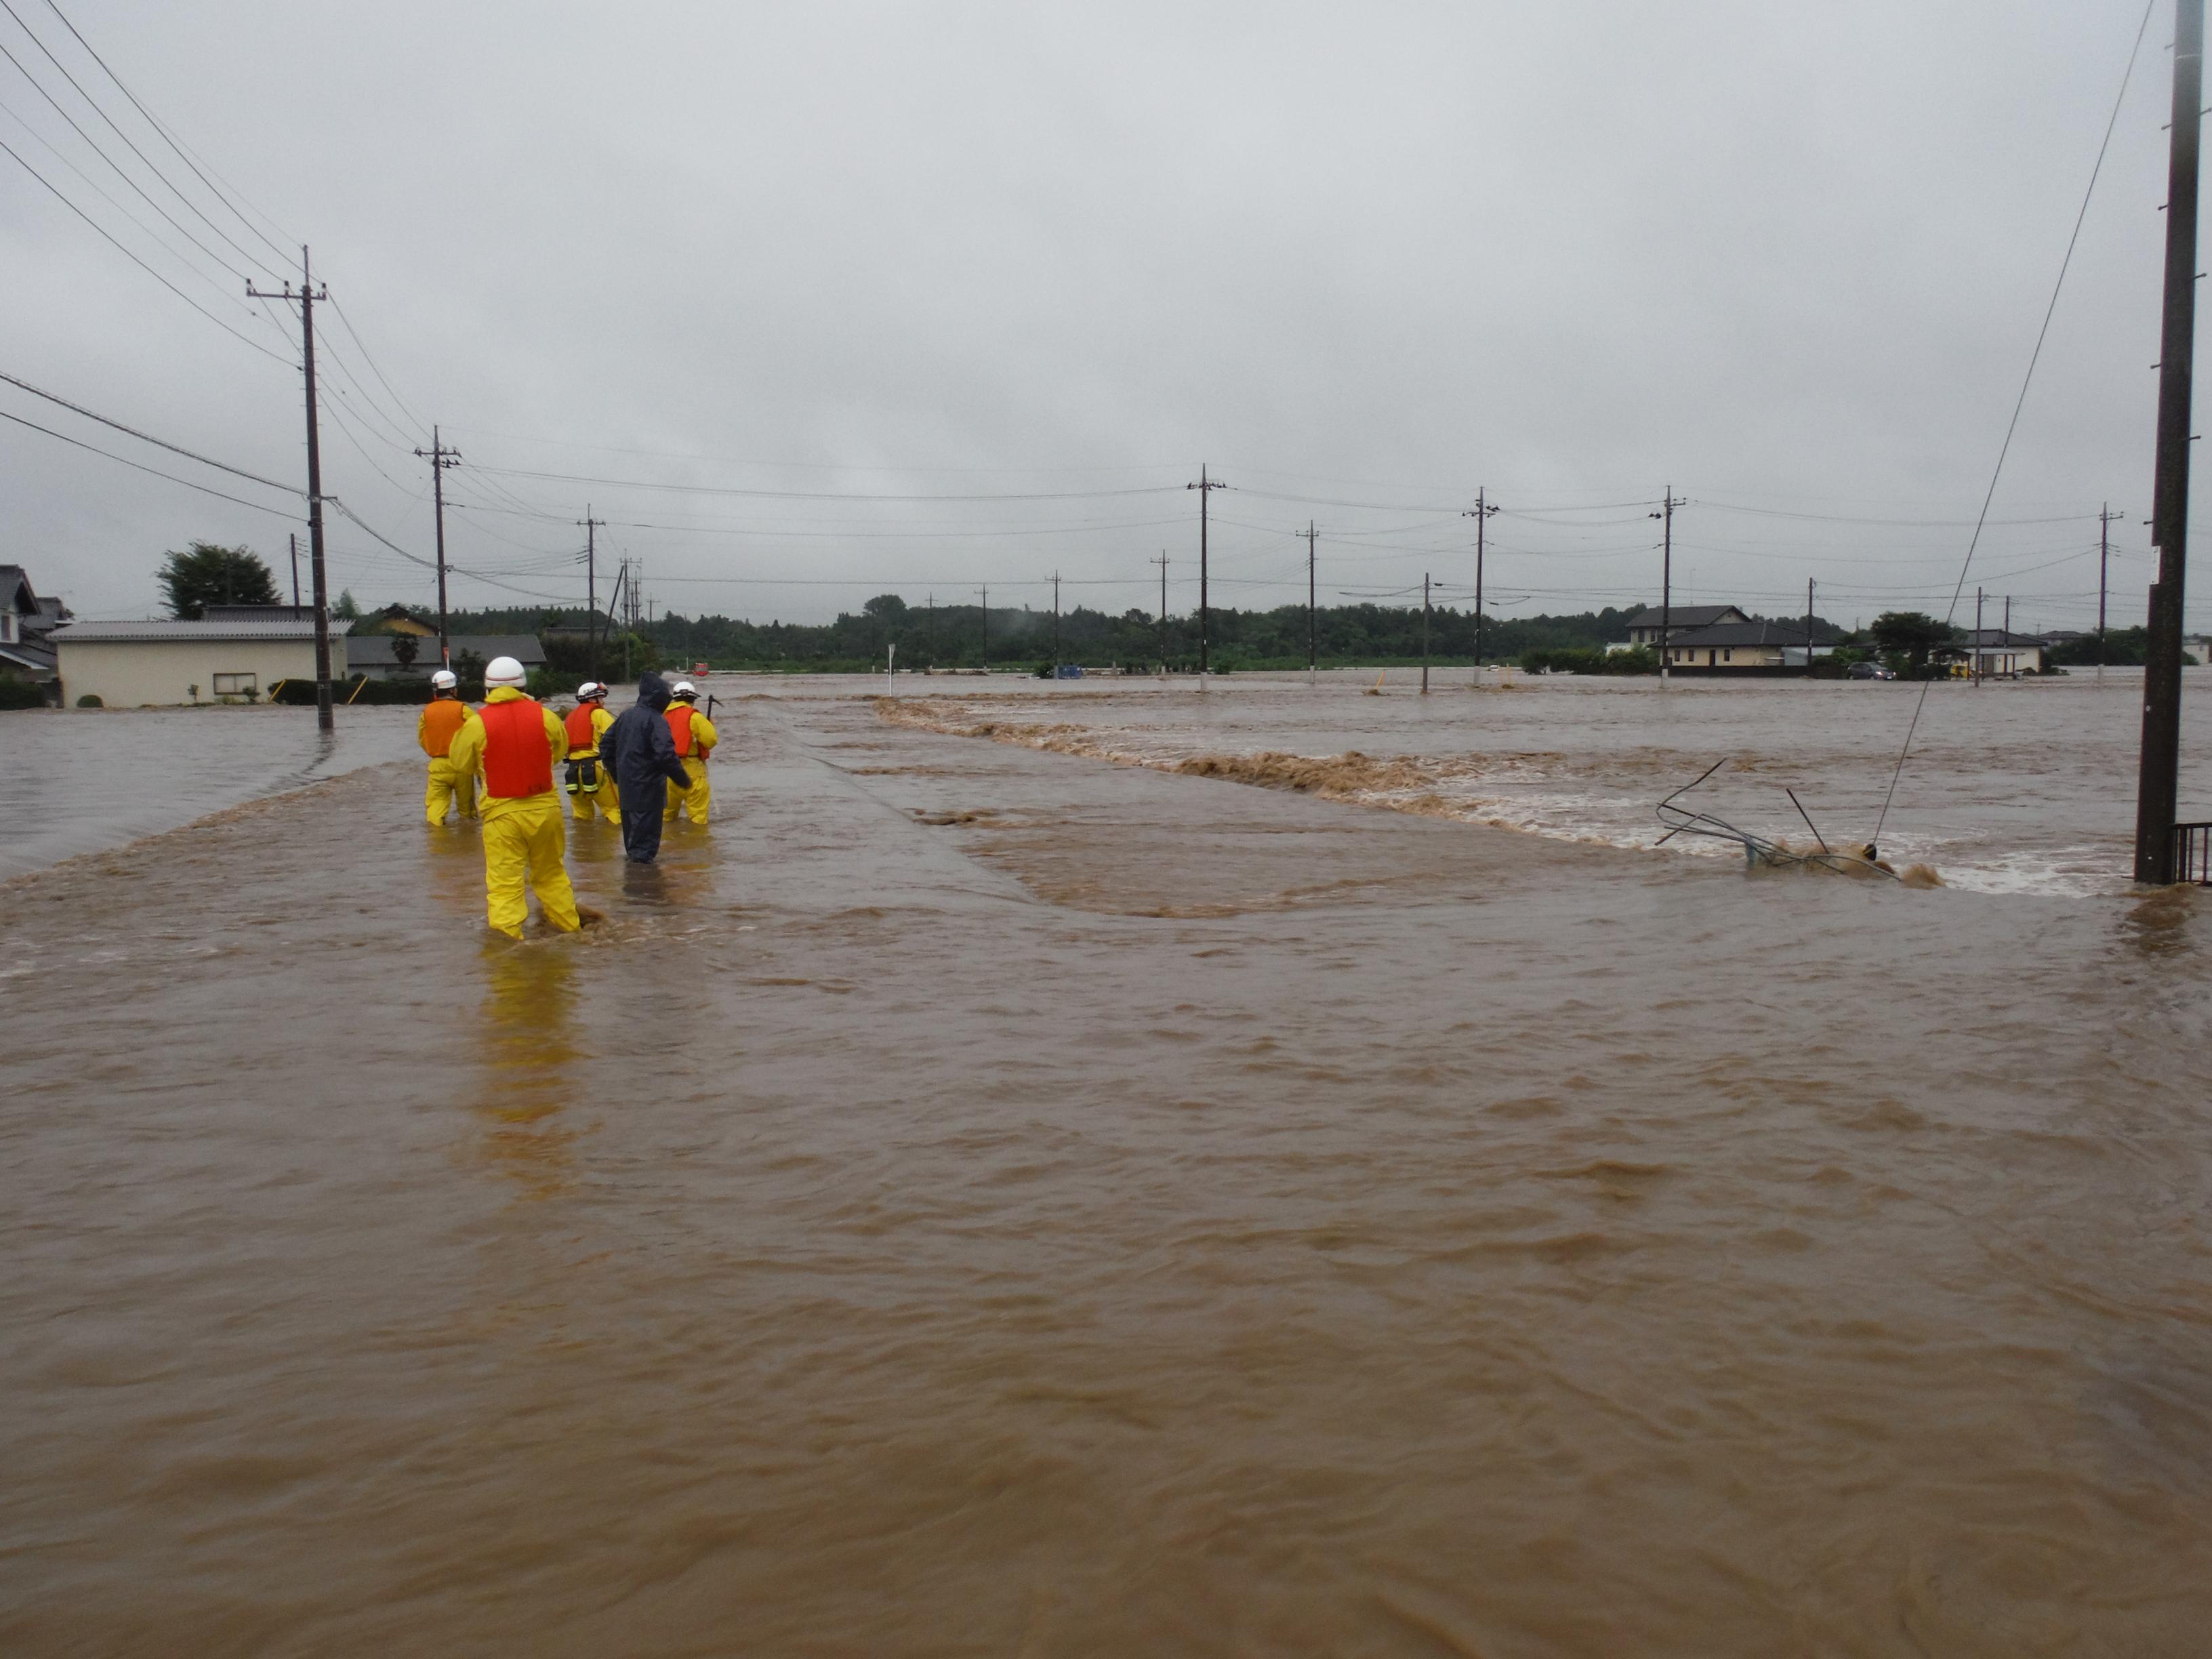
(698, 798)
(449, 787)
(604, 798)
(524, 841)
(526, 837)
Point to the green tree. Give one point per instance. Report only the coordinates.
(345, 610)
(404, 647)
(469, 669)
(207, 574)
(1912, 635)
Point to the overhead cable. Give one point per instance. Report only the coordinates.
(148, 437)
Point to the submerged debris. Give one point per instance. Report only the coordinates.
(1760, 852)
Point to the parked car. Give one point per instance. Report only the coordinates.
(1871, 671)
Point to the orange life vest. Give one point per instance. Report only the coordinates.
(582, 739)
(518, 757)
(679, 727)
(441, 720)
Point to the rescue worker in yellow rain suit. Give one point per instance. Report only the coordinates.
(696, 738)
(443, 717)
(514, 743)
(588, 781)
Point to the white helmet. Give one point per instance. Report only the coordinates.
(445, 680)
(685, 690)
(589, 690)
(503, 670)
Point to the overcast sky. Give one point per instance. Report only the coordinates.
(1359, 260)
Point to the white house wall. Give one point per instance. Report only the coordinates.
(132, 673)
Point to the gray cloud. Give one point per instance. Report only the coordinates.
(1788, 258)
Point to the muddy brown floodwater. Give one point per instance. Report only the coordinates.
(980, 1199)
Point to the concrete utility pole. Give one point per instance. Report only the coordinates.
(1163, 562)
(1055, 624)
(592, 584)
(441, 457)
(986, 628)
(2105, 517)
(295, 540)
(1808, 627)
(1981, 649)
(306, 297)
(1205, 487)
(2159, 788)
(1424, 633)
(1313, 627)
(2004, 637)
(1666, 515)
(1480, 514)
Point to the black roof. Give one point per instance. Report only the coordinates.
(1745, 633)
(374, 650)
(1684, 616)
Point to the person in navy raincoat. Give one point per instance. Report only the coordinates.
(640, 752)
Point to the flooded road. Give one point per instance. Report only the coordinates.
(81, 779)
(979, 1199)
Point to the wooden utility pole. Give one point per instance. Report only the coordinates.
(1163, 562)
(2159, 788)
(1666, 515)
(1205, 487)
(306, 297)
(441, 457)
(1808, 627)
(1313, 626)
(1480, 514)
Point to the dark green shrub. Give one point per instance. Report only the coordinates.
(18, 693)
(88, 701)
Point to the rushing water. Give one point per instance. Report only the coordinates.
(977, 1199)
(2010, 787)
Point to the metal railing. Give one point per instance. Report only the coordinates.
(2192, 853)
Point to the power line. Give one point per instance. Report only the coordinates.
(92, 144)
(148, 437)
(99, 111)
(139, 467)
(822, 494)
(137, 261)
(281, 253)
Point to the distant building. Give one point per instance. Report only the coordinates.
(27, 626)
(1644, 626)
(372, 654)
(135, 665)
(1994, 654)
(1737, 645)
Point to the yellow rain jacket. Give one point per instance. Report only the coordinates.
(441, 721)
(524, 834)
(604, 795)
(698, 797)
